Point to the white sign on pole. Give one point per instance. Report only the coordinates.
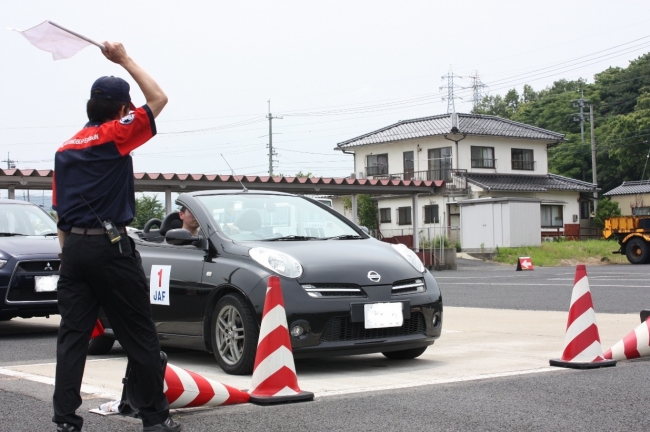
(159, 284)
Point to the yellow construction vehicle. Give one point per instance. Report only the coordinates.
(633, 233)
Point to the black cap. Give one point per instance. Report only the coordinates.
(110, 87)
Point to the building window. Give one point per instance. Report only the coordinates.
(641, 211)
(552, 216)
(377, 164)
(439, 163)
(585, 209)
(431, 214)
(408, 165)
(404, 216)
(522, 159)
(483, 157)
(384, 215)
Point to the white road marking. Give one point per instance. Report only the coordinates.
(438, 381)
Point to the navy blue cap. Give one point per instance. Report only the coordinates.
(110, 87)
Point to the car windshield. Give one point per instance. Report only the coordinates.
(25, 220)
(275, 218)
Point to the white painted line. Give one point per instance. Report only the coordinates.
(438, 381)
(92, 390)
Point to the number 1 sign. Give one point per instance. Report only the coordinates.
(159, 284)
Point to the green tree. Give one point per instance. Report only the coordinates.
(147, 207)
(366, 210)
(606, 209)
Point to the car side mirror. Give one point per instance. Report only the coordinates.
(181, 237)
(365, 230)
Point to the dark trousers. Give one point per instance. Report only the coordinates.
(94, 274)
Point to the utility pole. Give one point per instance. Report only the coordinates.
(271, 152)
(11, 164)
(451, 108)
(594, 176)
(580, 117)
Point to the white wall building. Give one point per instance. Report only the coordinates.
(476, 156)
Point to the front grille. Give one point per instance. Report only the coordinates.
(333, 290)
(341, 329)
(21, 285)
(408, 286)
(38, 266)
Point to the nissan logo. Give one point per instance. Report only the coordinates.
(374, 276)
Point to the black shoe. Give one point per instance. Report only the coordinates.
(170, 425)
(64, 427)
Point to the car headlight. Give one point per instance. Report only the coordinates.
(276, 261)
(409, 256)
(3, 263)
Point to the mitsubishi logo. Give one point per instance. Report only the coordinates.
(374, 276)
(48, 267)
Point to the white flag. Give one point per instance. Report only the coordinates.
(50, 37)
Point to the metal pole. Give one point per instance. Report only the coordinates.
(593, 154)
(270, 141)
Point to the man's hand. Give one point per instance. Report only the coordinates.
(115, 52)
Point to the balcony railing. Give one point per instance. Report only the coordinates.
(523, 165)
(454, 178)
(484, 163)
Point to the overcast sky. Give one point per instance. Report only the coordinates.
(333, 70)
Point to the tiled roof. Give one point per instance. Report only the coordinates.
(630, 188)
(528, 183)
(42, 179)
(468, 124)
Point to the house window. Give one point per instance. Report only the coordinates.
(431, 214)
(384, 215)
(522, 159)
(377, 164)
(483, 157)
(439, 163)
(641, 211)
(408, 165)
(552, 216)
(404, 216)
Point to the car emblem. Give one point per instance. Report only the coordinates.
(48, 267)
(374, 276)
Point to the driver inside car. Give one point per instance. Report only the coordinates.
(189, 221)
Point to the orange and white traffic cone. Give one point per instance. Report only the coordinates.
(582, 349)
(635, 344)
(274, 373)
(186, 389)
(98, 330)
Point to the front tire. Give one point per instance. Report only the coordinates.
(408, 354)
(100, 345)
(636, 251)
(234, 335)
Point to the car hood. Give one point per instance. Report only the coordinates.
(32, 245)
(345, 261)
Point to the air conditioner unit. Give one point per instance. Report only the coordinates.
(360, 175)
(353, 175)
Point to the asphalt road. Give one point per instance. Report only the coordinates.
(605, 399)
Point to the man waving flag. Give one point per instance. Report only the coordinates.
(58, 40)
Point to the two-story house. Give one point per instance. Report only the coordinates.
(477, 156)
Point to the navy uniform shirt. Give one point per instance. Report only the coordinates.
(96, 164)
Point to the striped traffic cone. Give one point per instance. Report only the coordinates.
(635, 344)
(274, 372)
(98, 330)
(582, 349)
(186, 389)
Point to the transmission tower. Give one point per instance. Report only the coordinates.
(477, 90)
(451, 107)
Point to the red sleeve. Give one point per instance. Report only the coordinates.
(132, 131)
(53, 191)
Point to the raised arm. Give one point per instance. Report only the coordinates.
(155, 97)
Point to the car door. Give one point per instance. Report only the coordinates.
(187, 295)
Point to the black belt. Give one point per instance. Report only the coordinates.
(94, 231)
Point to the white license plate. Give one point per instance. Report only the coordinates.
(45, 283)
(380, 315)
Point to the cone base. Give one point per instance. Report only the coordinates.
(303, 396)
(582, 365)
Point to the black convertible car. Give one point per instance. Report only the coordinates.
(344, 291)
(29, 262)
